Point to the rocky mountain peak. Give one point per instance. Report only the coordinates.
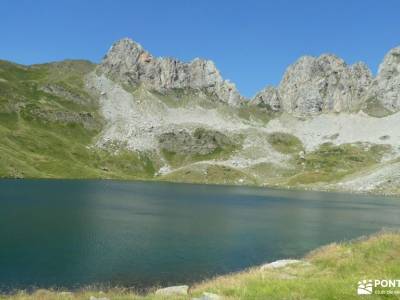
(386, 86)
(323, 84)
(128, 62)
(312, 85)
(268, 98)
(391, 63)
(126, 47)
(315, 85)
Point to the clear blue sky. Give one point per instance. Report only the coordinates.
(251, 42)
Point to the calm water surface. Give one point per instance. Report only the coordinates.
(75, 233)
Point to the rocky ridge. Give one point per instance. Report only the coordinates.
(385, 88)
(327, 125)
(324, 84)
(310, 86)
(316, 85)
(129, 63)
(135, 91)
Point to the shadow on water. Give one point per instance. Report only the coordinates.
(77, 233)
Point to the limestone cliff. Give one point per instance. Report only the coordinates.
(315, 85)
(319, 84)
(385, 88)
(129, 63)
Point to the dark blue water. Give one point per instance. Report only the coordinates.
(76, 233)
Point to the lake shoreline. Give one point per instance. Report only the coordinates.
(147, 234)
(321, 189)
(334, 257)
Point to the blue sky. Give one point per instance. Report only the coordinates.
(251, 42)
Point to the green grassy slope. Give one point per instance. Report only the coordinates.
(48, 121)
(331, 272)
(332, 162)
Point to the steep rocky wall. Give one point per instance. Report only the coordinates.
(129, 63)
(310, 86)
(319, 84)
(385, 88)
(323, 84)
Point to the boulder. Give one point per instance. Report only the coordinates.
(280, 264)
(173, 290)
(268, 98)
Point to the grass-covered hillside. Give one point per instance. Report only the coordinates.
(48, 122)
(328, 273)
(68, 120)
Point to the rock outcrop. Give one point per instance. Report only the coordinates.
(129, 63)
(326, 83)
(312, 85)
(281, 264)
(319, 84)
(173, 290)
(268, 98)
(385, 89)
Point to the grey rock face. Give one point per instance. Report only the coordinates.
(129, 63)
(386, 86)
(268, 97)
(323, 84)
(310, 86)
(318, 84)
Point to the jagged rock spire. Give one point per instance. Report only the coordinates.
(268, 98)
(386, 86)
(128, 62)
(319, 84)
(312, 85)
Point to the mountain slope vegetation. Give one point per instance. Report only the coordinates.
(135, 116)
(48, 123)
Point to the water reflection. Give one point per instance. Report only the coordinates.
(74, 233)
